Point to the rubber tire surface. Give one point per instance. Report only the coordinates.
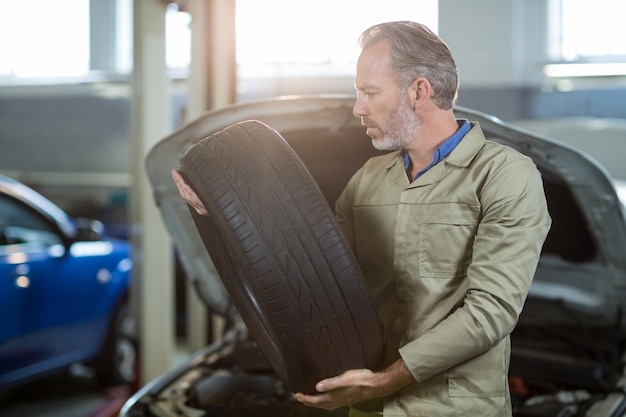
(281, 256)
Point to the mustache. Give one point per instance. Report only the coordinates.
(367, 122)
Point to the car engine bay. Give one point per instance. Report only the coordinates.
(568, 350)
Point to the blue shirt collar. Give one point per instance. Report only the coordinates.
(445, 148)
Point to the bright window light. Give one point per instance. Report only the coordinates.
(178, 37)
(51, 39)
(586, 39)
(42, 38)
(587, 69)
(592, 29)
(316, 32)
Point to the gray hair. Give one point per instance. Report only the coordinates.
(415, 51)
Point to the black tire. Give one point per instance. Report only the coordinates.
(279, 251)
(117, 362)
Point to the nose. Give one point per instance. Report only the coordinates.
(359, 109)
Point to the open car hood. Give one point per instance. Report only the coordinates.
(584, 259)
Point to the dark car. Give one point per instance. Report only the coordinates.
(567, 350)
(63, 292)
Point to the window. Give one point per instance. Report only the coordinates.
(177, 37)
(592, 29)
(303, 47)
(42, 38)
(20, 224)
(587, 38)
(322, 32)
(54, 39)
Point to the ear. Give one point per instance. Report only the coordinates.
(421, 91)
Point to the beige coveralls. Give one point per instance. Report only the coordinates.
(449, 259)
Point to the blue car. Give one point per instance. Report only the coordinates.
(63, 292)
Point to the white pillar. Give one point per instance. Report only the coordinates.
(153, 280)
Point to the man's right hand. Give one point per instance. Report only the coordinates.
(188, 194)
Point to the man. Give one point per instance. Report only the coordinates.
(447, 230)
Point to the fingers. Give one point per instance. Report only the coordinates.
(183, 189)
(318, 401)
(348, 388)
(187, 193)
(349, 378)
(325, 399)
(180, 182)
(326, 385)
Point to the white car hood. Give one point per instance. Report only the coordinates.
(598, 285)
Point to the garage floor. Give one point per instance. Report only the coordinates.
(71, 394)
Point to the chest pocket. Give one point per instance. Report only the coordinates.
(447, 232)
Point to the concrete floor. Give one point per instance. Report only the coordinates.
(69, 394)
(73, 393)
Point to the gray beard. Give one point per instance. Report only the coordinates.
(399, 131)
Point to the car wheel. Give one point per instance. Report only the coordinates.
(279, 251)
(117, 363)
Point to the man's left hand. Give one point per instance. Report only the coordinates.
(348, 388)
(358, 385)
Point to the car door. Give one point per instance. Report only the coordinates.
(47, 307)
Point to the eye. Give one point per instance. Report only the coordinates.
(368, 94)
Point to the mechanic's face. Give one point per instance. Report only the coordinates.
(384, 109)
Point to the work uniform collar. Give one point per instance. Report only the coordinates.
(461, 155)
(444, 149)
